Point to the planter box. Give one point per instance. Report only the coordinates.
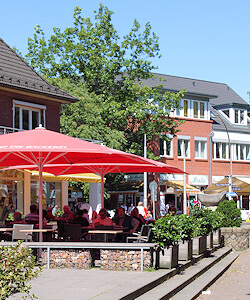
(186, 250)
(167, 258)
(217, 237)
(210, 241)
(199, 244)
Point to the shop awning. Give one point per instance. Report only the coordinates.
(241, 187)
(179, 186)
(81, 177)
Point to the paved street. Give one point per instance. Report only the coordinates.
(234, 283)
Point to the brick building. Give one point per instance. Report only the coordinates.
(215, 117)
(27, 100)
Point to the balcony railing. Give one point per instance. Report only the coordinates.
(5, 130)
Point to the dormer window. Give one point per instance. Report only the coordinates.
(239, 116)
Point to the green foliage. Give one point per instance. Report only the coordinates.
(11, 216)
(202, 220)
(231, 214)
(166, 231)
(106, 72)
(217, 219)
(58, 213)
(17, 266)
(185, 227)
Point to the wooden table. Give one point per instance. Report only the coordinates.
(105, 232)
(6, 229)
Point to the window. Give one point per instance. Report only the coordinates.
(185, 108)
(28, 116)
(202, 110)
(226, 112)
(221, 150)
(183, 144)
(199, 109)
(242, 152)
(166, 147)
(239, 116)
(248, 152)
(200, 149)
(195, 109)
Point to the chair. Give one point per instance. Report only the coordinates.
(17, 235)
(143, 236)
(73, 232)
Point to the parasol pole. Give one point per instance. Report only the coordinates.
(102, 190)
(40, 200)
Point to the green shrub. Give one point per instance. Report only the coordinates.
(18, 266)
(202, 219)
(185, 227)
(165, 231)
(232, 214)
(217, 219)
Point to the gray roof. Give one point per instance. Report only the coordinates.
(15, 73)
(220, 122)
(218, 93)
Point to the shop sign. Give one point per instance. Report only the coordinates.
(198, 179)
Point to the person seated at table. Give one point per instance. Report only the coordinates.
(50, 216)
(18, 218)
(102, 219)
(80, 219)
(32, 217)
(94, 215)
(85, 214)
(130, 223)
(135, 214)
(67, 215)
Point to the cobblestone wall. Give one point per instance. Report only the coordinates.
(64, 258)
(124, 260)
(237, 238)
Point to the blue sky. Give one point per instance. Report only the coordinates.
(200, 39)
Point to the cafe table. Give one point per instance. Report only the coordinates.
(6, 229)
(44, 230)
(105, 232)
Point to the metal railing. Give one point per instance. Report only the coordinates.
(6, 130)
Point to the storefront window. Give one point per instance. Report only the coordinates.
(51, 193)
(11, 185)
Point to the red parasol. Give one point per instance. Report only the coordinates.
(57, 153)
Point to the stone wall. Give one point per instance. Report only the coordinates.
(124, 260)
(68, 258)
(236, 237)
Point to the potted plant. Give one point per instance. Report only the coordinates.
(202, 227)
(217, 221)
(166, 234)
(185, 228)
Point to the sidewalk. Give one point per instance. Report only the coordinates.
(67, 284)
(234, 283)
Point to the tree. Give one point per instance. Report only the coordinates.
(91, 60)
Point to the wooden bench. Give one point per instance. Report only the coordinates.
(86, 245)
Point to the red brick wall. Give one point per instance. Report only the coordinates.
(52, 113)
(192, 128)
(200, 128)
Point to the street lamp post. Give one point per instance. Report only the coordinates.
(211, 135)
(184, 180)
(230, 177)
